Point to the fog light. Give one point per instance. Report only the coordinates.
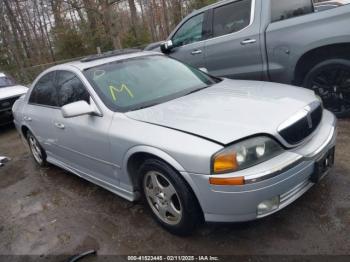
(268, 206)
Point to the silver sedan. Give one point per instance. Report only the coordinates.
(194, 147)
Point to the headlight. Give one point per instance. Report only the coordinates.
(245, 154)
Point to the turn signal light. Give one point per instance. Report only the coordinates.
(225, 162)
(229, 181)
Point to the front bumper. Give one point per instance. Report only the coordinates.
(286, 177)
(5, 116)
(6, 109)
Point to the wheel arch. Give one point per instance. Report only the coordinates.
(24, 131)
(137, 155)
(317, 55)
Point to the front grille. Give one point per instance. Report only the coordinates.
(303, 127)
(7, 104)
(316, 115)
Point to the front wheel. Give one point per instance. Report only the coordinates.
(330, 80)
(171, 201)
(37, 151)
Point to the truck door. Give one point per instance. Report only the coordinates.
(188, 41)
(234, 47)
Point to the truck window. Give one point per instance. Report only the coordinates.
(285, 9)
(191, 31)
(231, 18)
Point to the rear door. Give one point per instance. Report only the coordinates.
(234, 47)
(41, 110)
(188, 41)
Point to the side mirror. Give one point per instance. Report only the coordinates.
(203, 69)
(166, 47)
(78, 108)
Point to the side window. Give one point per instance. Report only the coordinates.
(70, 88)
(44, 92)
(231, 18)
(285, 9)
(190, 32)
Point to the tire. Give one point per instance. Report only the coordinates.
(37, 151)
(330, 80)
(169, 198)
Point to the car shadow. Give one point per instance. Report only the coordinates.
(6, 127)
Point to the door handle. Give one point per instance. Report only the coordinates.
(196, 52)
(59, 125)
(248, 41)
(27, 118)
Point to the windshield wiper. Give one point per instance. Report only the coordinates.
(196, 90)
(145, 106)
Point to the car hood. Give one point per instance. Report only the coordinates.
(12, 91)
(229, 110)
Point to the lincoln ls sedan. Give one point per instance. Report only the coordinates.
(193, 147)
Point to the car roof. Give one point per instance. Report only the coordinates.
(104, 58)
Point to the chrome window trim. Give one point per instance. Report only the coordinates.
(59, 107)
(252, 19)
(41, 105)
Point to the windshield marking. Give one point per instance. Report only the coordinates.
(114, 90)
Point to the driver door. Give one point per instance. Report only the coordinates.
(82, 141)
(188, 41)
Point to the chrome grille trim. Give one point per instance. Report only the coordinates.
(302, 125)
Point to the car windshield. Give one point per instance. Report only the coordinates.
(141, 82)
(6, 81)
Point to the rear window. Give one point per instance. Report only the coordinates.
(44, 92)
(286, 9)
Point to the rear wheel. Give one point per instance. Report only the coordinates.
(331, 81)
(37, 151)
(171, 201)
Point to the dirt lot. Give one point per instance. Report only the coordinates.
(50, 211)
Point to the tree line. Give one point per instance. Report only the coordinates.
(37, 33)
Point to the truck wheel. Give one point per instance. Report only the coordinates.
(172, 203)
(330, 80)
(36, 150)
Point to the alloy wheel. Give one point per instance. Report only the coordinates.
(162, 197)
(333, 86)
(35, 148)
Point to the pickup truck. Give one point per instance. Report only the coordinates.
(270, 40)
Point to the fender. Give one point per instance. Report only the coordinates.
(317, 44)
(126, 179)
